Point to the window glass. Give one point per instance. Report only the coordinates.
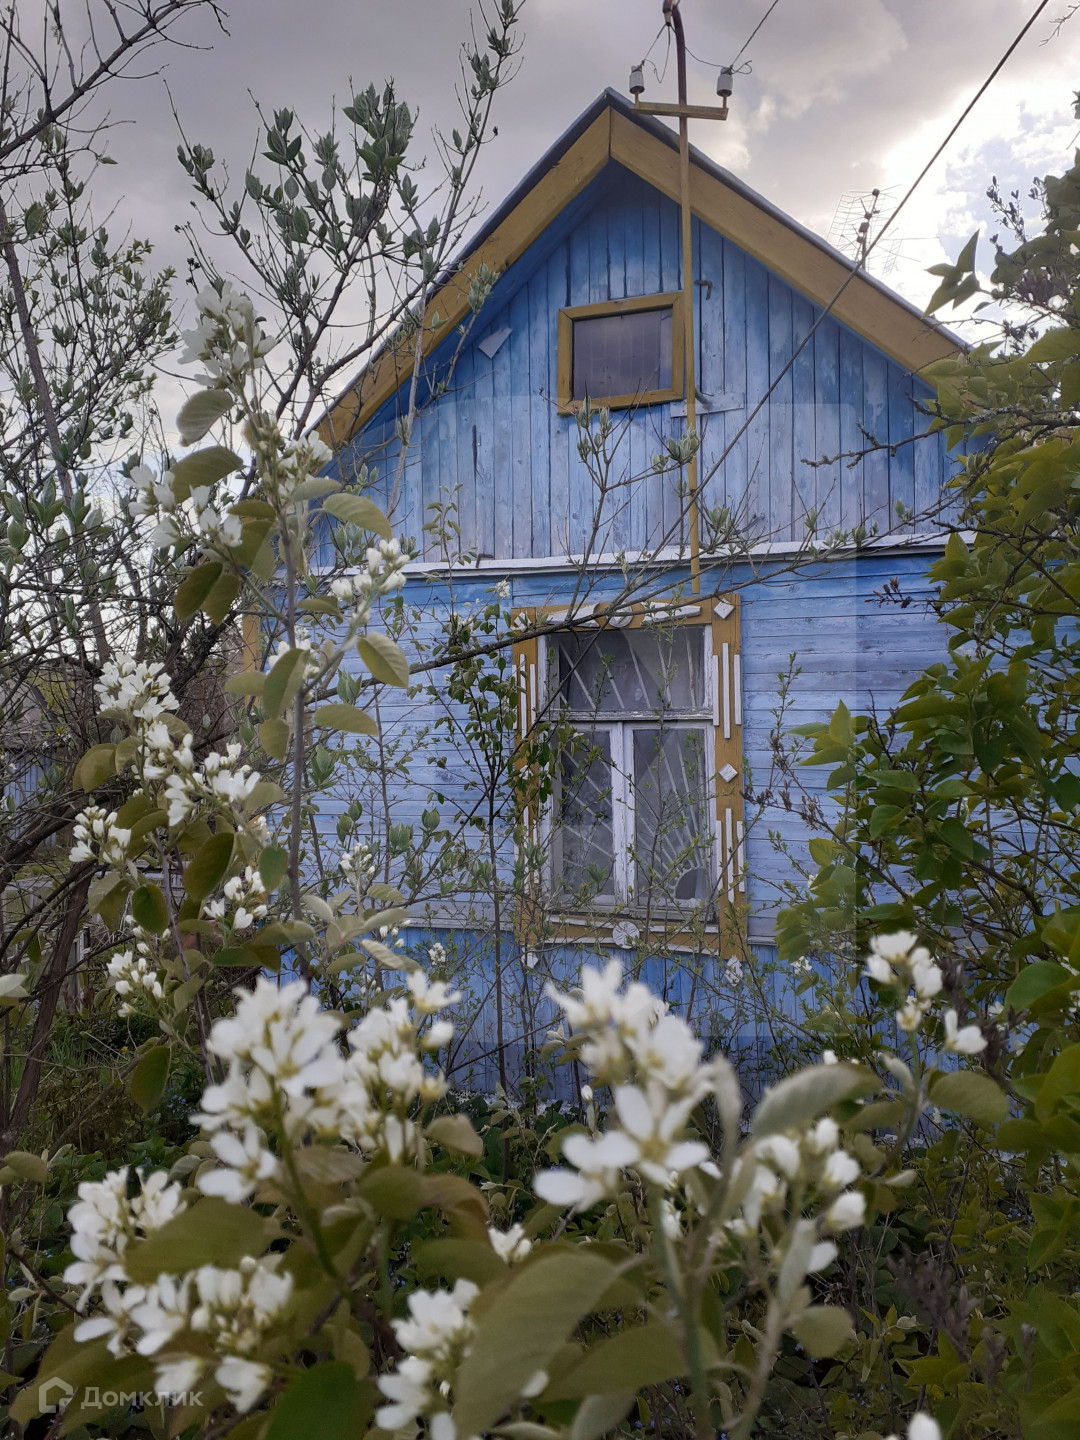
(625, 354)
(633, 672)
(672, 841)
(585, 817)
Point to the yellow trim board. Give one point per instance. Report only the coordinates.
(544, 203)
(870, 311)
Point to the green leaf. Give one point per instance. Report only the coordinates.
(804, 1096)
(27, 1166)
(1033, 982)
(645, 1355)
(599, 1414)
(149, 909)
(358, 510)
(1062, 1081)
(456, 1132)
(248, 682)
(284, 681)
(200, 412)
(210, 1232)
(393, 1190)
(107, 897)
(95, 767)
(274, 738)
(207, 870)
(823, 1330)
(326, 1401)
(459, 1259)
(273, 862)
(217, 604)
(339, 716)
(971, 1093)
(522, 1329)
(1061, 344)
(147, 1083)
(384, 659)
(195, 587)
(204, 468)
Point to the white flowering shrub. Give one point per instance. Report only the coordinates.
(322, 1241)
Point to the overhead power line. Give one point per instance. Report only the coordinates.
(877, 239)
(755, 30)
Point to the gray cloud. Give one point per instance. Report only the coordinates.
(844, 95)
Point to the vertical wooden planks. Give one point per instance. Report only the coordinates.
(444, 412)
(875, 494)
(582, 490)
(930, 469)
(651, 284)
(464, 404)
(521, 422)
(731, 479)
(780, 412)
(599, 283)
(710, 310)
(851, 438)
(901, 459)
(638, 436)
(827, 425)
(500, 450)
(483, 453)
(670, 245)
(541, 417)
(757, 384)
(804, 442)
(558, 294)
(618, 208)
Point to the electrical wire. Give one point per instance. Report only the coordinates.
(667, 54)
(743, 69)
(755, 30)
(856, 268)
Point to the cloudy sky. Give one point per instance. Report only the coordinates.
(844, 95)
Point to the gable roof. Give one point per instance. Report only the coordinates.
(612, 130)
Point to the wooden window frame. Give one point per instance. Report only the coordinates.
(723, 671)
(669, 300)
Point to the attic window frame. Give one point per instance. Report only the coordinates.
(672, 300)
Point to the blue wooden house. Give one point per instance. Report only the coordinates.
(591, 305)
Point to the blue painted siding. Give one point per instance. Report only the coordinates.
(496, 438)
(848, 646)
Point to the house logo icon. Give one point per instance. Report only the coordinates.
(54, 1395)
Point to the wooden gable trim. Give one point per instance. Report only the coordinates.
(582, 162)
(870, 312)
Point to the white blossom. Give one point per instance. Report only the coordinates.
(436, 1335)
(142, 690)
(847, 1211)
(922, 1426)
(242, 1380)
(598, 1161)
(98, 837)
(510, 1245)
(965, 1040)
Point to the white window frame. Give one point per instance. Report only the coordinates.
(623, 806)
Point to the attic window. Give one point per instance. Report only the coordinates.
(621, 352)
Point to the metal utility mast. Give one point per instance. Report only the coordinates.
(685, 113)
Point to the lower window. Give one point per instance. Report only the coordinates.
(636, 794)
